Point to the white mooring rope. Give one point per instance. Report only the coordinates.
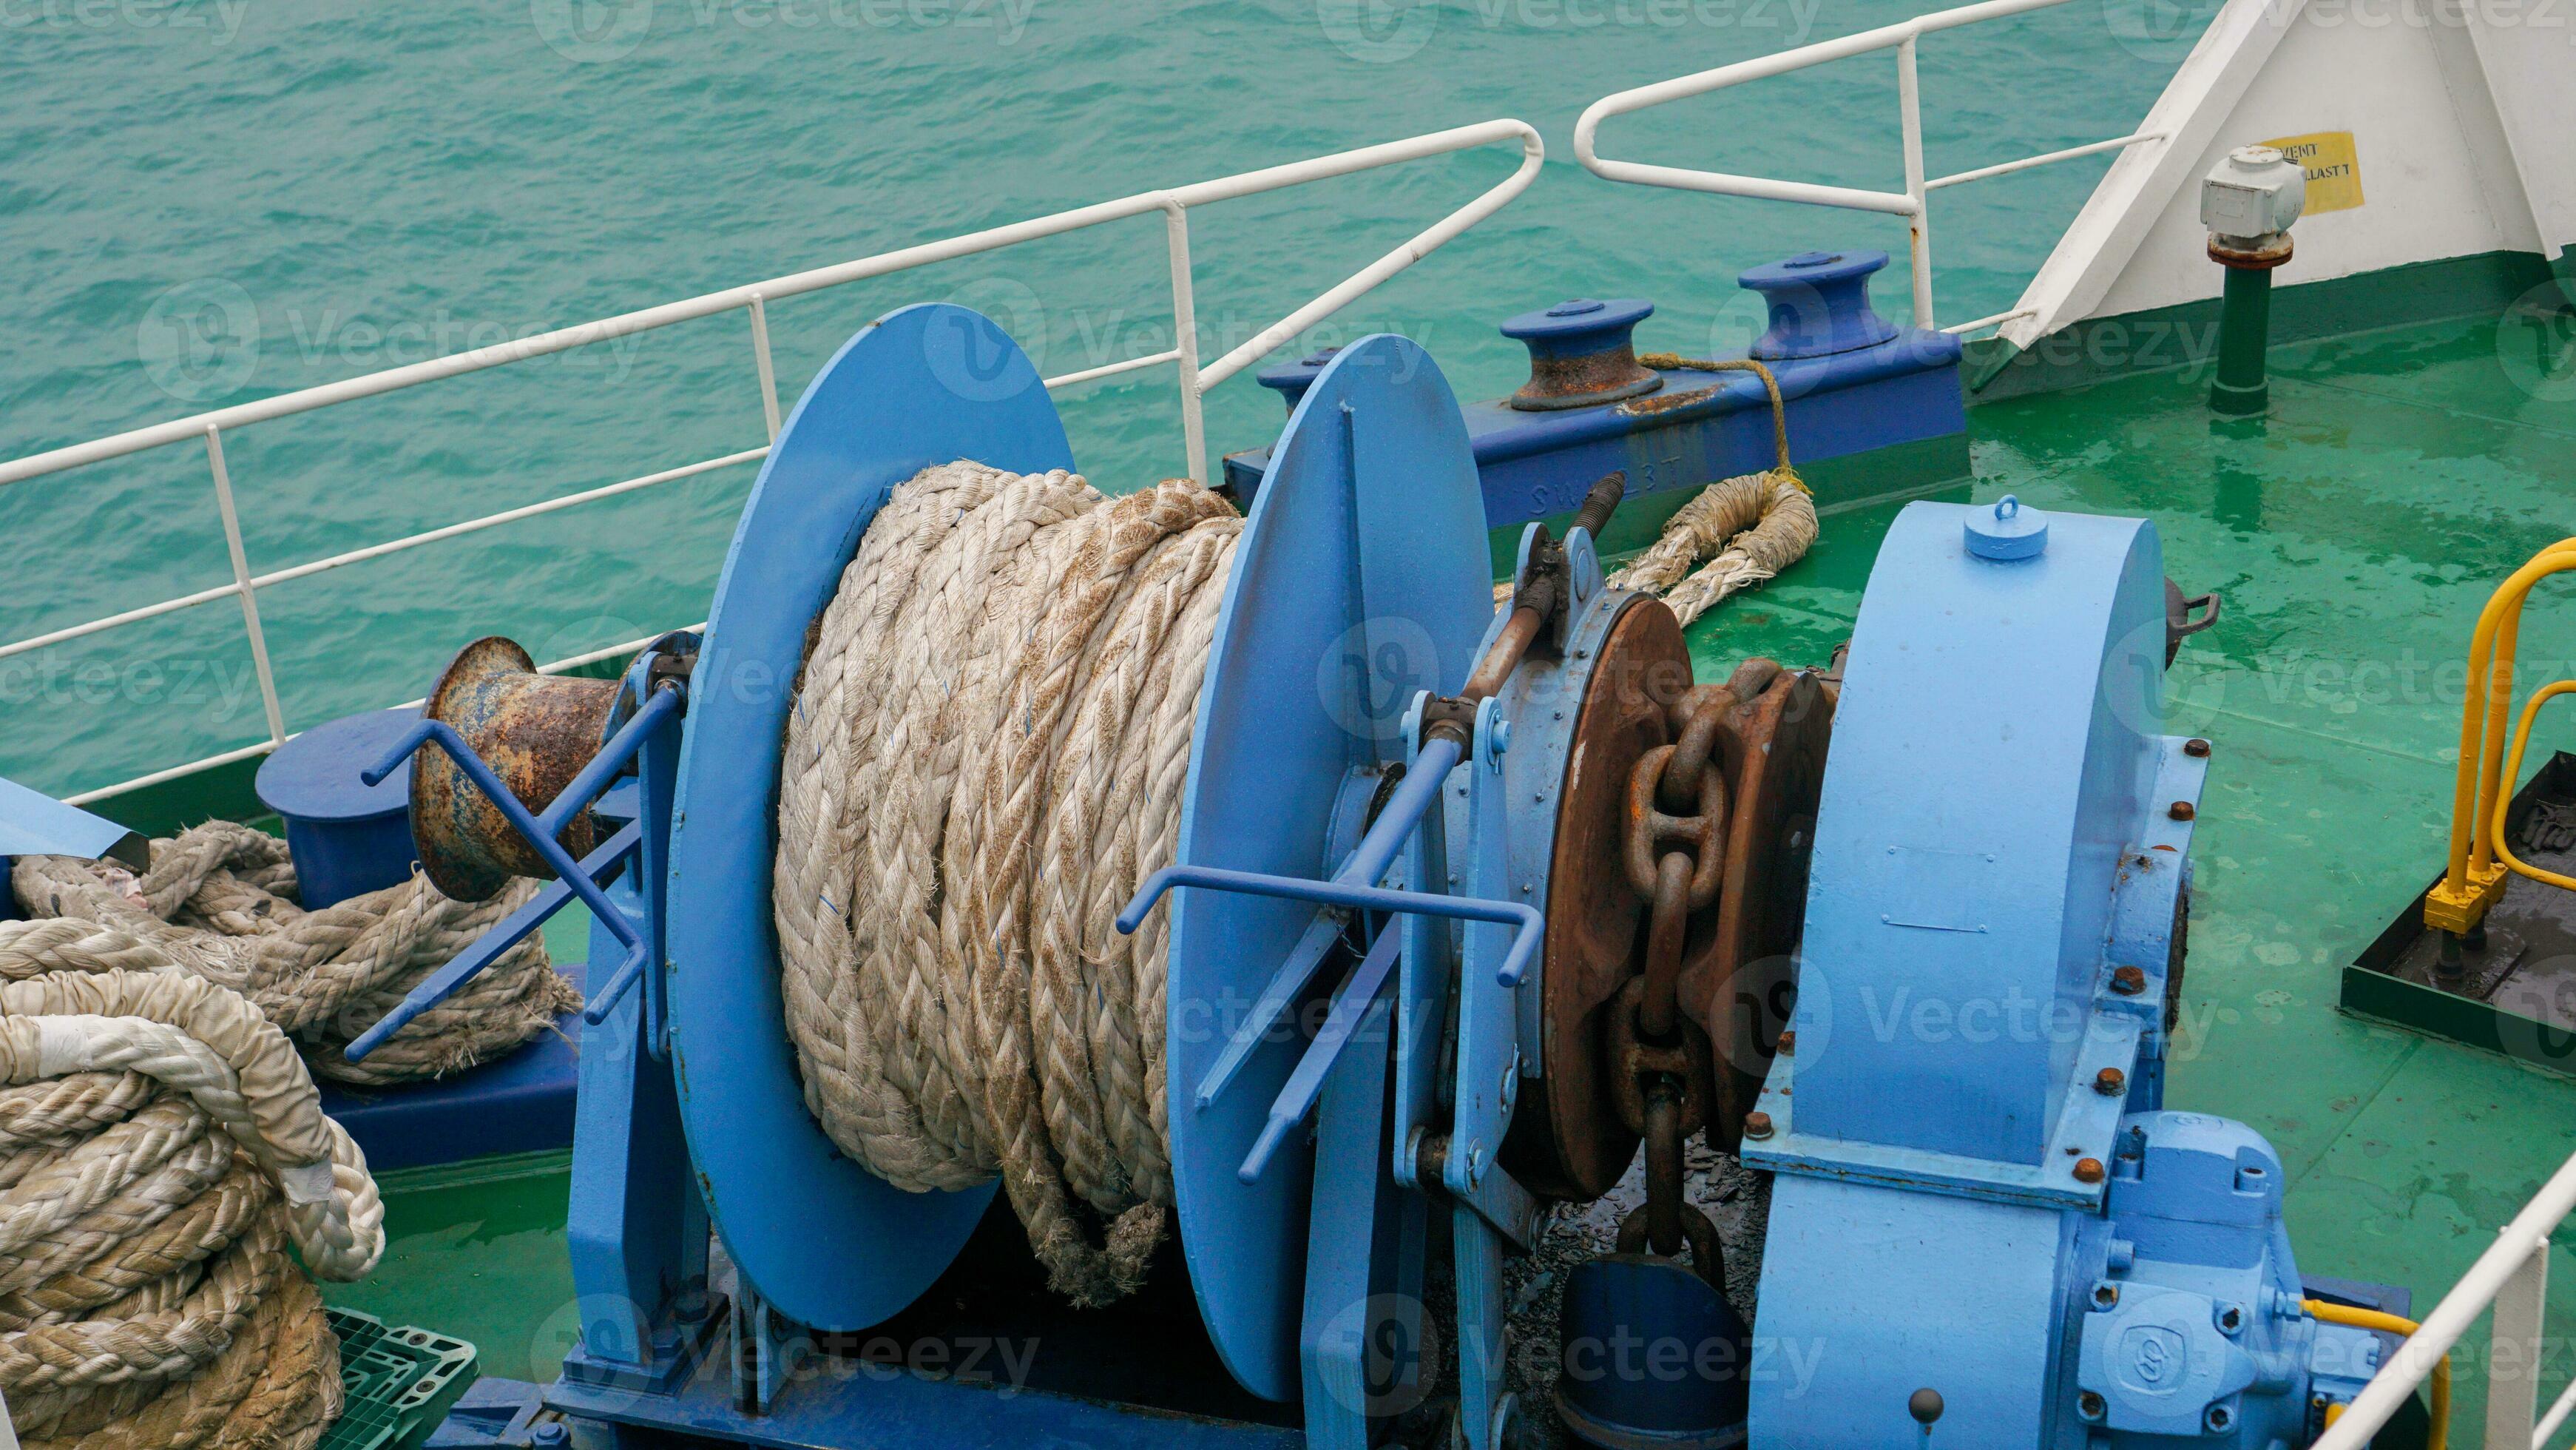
(986, 757)
(1748, 528)
(219, 901)
(161, 1147)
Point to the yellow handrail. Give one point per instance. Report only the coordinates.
(2474, 877)
(2513, 771)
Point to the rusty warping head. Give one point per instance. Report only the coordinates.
(535, 731)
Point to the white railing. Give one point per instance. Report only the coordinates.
(1912, 203)
(1195, 378)
(2512, 1275)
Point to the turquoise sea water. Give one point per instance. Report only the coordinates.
(207, 201)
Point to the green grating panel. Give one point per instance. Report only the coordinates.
(400, 1383)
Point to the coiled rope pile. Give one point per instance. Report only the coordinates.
(219, 901)
(161, 1146)
(1748, 528)
(986, 756)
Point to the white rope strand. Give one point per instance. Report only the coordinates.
(986, 757)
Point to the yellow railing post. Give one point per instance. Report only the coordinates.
(2474, 876)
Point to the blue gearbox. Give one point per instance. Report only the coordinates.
(1979, 1191)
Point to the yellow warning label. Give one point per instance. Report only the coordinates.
(2333, 167)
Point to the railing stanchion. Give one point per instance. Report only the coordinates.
(243, 586)
(760, 357)
(2513, 1353)
(1185, 338)
(1913, 203)
(1909, 102)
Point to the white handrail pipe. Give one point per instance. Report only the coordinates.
(1194, 381)
(1185, 340)
(1431, 239)
(242, 586)
(1913, 203)
(2006, 168)
(1780, 63)
(1343, 163)
(2414, 1360)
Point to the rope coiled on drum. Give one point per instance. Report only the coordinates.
(986, 757)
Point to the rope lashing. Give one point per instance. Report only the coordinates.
(986, 756)
(1747, 528)
(219, 901)
(161, 1148)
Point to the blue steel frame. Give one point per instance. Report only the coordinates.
(33, 823)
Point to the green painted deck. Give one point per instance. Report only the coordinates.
(2355, 534)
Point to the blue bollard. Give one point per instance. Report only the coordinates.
(348, 838)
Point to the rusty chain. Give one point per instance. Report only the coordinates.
(1674, 863)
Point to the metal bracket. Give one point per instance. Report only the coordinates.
(653, 723)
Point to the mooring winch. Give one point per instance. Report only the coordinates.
(1466, 904)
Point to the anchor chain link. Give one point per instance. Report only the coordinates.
(1674, 862)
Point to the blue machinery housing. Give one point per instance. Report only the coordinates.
(1987, 1225)
(1979, 1189)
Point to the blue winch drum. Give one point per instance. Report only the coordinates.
(1366, 541)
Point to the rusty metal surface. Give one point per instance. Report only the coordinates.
(2250, 259)
(1649, 406)
(1736, 979)
(1567, 1141)
(535, 731)
(1668, 1220)
(1584, 380)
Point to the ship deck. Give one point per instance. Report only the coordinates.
(2354, 534)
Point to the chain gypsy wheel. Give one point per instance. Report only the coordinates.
(1570, 1139)
(1738, 973)
(1567, 1140)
